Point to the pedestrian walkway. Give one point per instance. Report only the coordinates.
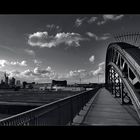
(106, 110)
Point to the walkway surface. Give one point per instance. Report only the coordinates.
(107, 110)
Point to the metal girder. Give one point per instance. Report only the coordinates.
(126, 87)
(114, 81)
(116, 87)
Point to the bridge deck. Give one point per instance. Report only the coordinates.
(106, 110)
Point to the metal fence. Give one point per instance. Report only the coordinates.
(58, 113)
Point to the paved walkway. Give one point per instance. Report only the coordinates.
(106, 110)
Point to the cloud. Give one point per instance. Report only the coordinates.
(36, 74)
(92, 58)
(109, 18)
(4, 63)
(76, 75)
(22, 63)
(27, 72)
(104, 18)
(53, 27)
(79, 21)
(14, 73)
(43, 39)
(112, 17)
(37, 62)
(98, 38)
(100, 70)
(30, 52)
(39, 71)
(76, 72)
(90, 34)
(92, 19)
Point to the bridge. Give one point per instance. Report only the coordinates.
(117, 102)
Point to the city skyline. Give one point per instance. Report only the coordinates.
(41, 48)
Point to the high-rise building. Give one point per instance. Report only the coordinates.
(24, 84)
(2, 82)
(18, 83)
(12, 81)
(6, 78)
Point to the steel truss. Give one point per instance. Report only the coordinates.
(117, 88)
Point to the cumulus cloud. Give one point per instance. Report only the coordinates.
(43, 39)
(98, 38)
(22, 63)
(79, 21)
(92, 58)
(14, 73)
(90, 34)
(76, 73)
(39, 71)
(30, 52)
(4, 63)
(104, 18)
(37, 62)
(27, 72)
(109, 18)
(112, 17)
(100, 70)
(92, 19)
(36, 73)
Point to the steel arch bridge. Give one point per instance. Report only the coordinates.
(122, 73)
(122, 79)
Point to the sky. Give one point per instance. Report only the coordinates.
(40, 48)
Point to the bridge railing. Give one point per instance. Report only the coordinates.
(61, 112)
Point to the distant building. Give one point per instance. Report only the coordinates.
(2, 82)
(18, 83)
(12, 82)
(28, 85)
(24, 84)
(59, 83)
(42, 86)
(6, 78)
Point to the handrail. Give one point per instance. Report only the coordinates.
(59, 112)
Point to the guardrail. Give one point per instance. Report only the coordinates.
(61, 112)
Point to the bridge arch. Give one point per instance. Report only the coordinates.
(123, 73)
